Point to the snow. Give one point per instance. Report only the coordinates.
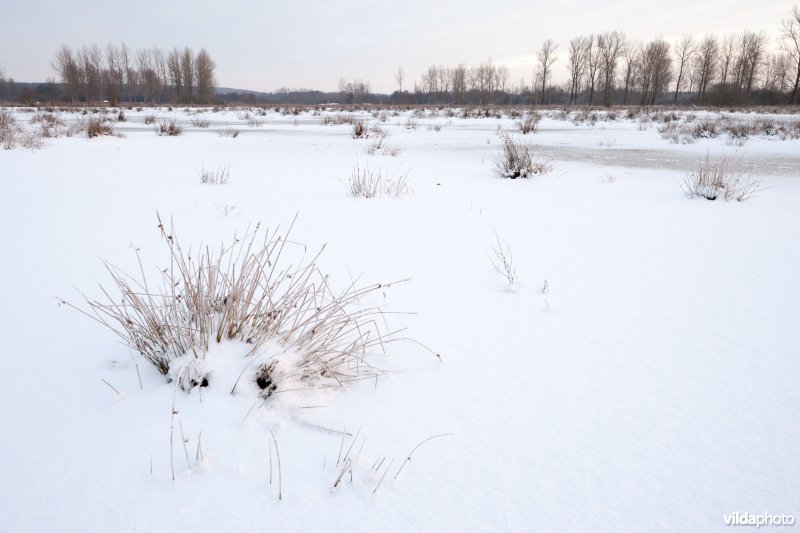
(653, 388)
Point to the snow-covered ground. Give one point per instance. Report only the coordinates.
(653, 386)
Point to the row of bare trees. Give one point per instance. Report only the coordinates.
(608, 68)
(118, 73)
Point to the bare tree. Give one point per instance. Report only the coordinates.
(776, 73)
(727, 55)
(577, 65)
(204, 75)
(458, 81)
(630, 63)
(592, 65)
(187, 74)
(749, 56)
(68, 67)
(92, 59)
(684, 49)
(656, 70)
(501, 78)
(143, 65)
(610, 46)
(126, 62)
(706, 63)
(545, 58)
(160, 68)
(399, 77)
(790, 43)
(174, 69)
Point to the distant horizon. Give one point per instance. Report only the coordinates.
(306, 46)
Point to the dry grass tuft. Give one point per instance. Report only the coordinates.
(246, 291)
(516, 161)
(171, 128)
(97, 126)
(365, 183)
(219, 176)
(530, 123)
(722, 176)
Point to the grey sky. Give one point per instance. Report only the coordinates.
(266, 45)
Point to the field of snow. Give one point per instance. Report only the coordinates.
(641, 376)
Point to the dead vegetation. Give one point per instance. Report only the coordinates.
(721, 177)
(247, 291)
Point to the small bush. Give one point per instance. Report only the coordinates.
(365, 183)
(97, 126)
(149, 119)
(121, 116)
(198, 122)
(219, 176)
(722, 176)
(8, 130)
(676, 133)
(516, 161)
(530, 123)
(171, 128)
(359, 130)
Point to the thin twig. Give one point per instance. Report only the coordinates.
(408, 457)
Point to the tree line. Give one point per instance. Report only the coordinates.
(607, 68)
(148, 75)
(602, 69)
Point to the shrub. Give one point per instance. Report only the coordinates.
(171, 128)
(359, 130)
(8, 129)
(365, 183)
(149, 119)
(516, 161)
(198, 122)
(245, 292)
(121, 116)
(677, 134)
(530, 123)
(97, 126)
(722, 176)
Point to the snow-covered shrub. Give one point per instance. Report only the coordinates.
(283, 313)
(705, 129)
(96, 126)
(149, 119)
(8, 129)
(198, 122)
(171, 128)
(516, 161)
(677, 133)
(720, 177)
(366, 183)
(359, 130)
(530, 123)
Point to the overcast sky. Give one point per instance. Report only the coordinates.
(265, 45)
